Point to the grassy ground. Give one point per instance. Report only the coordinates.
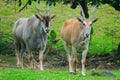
(51, 74)
(8, 71)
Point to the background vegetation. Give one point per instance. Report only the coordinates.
(104, 39)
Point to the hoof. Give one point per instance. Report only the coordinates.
(83, 74)
(73, 73)
(41, 69)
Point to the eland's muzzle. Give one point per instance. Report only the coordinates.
(87, 35)
(47, 30)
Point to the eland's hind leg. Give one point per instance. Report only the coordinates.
(22, 50)
(19, 49)
(31, 60)
(17, 52)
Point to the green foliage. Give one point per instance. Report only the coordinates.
(52, 35)
(52, 38)
(106, 29)
(53, 44)
(113, 3)
(20, 3)
(2, 43)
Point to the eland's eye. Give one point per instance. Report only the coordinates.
(83, 24)
(90, 24)
(42, 20)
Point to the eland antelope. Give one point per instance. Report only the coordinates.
(76, 33)
(30, 34)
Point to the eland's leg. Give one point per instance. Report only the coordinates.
(31, 60)
(69, 57)
(17, 52)
(22, 50)
(75, 60)
(84, 54)
(70, 63)
(21, 60)
(17, 57)
(41, 60)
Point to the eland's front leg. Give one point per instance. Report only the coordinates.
(84, 54)
(41, 60)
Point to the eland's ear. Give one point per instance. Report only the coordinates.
(93, 21)
(79, 19)
(37, 16)
(53, 17)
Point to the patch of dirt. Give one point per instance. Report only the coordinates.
(100, 61)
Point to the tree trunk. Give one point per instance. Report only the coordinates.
(118, 50)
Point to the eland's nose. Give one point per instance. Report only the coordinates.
(47, 30)
(87, 35)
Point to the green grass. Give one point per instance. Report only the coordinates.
(106, 31)
(51, 74)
